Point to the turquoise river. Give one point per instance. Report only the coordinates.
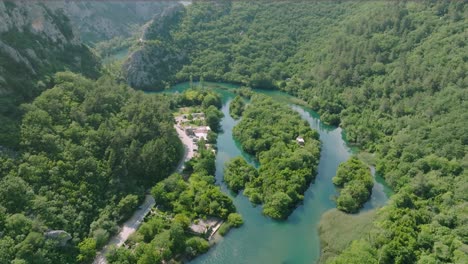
(260, 239)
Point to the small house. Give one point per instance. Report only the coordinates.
(202, 132)
(300, 141)
(202, 227)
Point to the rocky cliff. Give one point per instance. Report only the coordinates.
(35, 42)
(157, 57)
(103, 20)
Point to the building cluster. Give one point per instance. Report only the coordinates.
(194, 132)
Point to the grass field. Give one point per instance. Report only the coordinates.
(338, 229)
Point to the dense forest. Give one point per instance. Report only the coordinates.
(89, 150)
(268, 130)
(394, 78)
(183, 199)
(392, 74)
(355, 181)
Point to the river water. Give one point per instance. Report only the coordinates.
(260, 239)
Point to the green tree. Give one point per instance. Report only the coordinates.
(278, 206)
(358, 252)
(15, 194)
(120, 255)
(87, 249)
(196, 246)
(127, 205)
(237, 173)
(236, 107)
(18, 224)
(356, 181)
(213, 117)
(235, 219)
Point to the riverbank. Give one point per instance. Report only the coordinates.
(295, 240)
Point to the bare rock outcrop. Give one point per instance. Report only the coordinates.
(103, 20)
(158, 57)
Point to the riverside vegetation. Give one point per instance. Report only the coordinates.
(286, 167)
(392, 74)
(355, 180)
(236, 108)
(394, 78)
(168, 237)
(182, 199)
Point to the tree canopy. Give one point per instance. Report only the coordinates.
(393, 75)
(268, 130)
(355, 180)
(89, 149)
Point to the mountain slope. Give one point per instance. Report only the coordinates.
(103, 20)
(35, 42)
(158, 56)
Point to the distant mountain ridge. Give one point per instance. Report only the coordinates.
(103, 20)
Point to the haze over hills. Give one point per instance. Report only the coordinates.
(103, 20)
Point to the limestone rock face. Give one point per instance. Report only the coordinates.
(161, 24)
(149, 66)
(36, 40)
(35, 43)
(103, 20)
(59, 235)
(24, 16)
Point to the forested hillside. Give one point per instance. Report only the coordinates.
(393, 74)
(89, 150)
(35, 42)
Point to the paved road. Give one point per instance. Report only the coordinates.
(136, 220)
(128, 228)
(188, 144)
